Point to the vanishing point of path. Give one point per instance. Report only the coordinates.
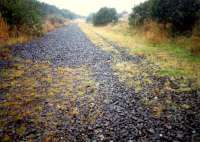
(74, 95)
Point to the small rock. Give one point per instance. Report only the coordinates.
(151, 131)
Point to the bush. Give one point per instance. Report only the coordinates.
(141, 13)
(22, 13)
(104, 16)
(181, 14)
(28, 16)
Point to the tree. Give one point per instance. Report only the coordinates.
(104, 16)
(141, 13)
(59, 13)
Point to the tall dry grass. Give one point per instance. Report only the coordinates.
(52, 23)
(195, 46)
(10, 36)
(22, 33)
(4, 30)
(155, 32)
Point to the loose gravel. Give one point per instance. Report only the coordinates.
(123, 117)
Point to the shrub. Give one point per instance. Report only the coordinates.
(181, 14)
(141, 13)
(22, 13)
(104, 16)
(28, 16)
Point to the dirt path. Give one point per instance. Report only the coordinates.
(63, 88)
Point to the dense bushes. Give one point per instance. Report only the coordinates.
(104, 16)
(141, 13)
(18, 13)
(181, 14)
(28, 16)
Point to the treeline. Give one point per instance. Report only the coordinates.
(181, 15)
(27, 16)
(103, 16)
(53, 10)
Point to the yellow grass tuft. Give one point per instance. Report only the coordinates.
(51, 23)
(195, 48)
(4, 29)
(155, 32)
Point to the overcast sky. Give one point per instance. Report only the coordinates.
(84, 7)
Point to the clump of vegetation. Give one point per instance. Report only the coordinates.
(182, 14)
(22, 15)
(4, 28)
(104, 16)
(29, 18)
(141, 13)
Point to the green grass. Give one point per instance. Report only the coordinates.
(171, 72)
(173, 56)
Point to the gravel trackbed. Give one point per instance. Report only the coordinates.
(103, 109)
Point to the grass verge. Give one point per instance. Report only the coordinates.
(173, 57)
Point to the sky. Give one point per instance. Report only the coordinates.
(85, 7)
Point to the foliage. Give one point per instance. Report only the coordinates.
(21, 12)
(141, 13)
(104, 16)
(181, 14)
(27, 16)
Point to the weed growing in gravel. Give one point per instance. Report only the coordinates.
(35, 92)
(145, 79)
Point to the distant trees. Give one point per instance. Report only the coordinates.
(181, 14)
(90, 17)
(52, 10)
(104, 16)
